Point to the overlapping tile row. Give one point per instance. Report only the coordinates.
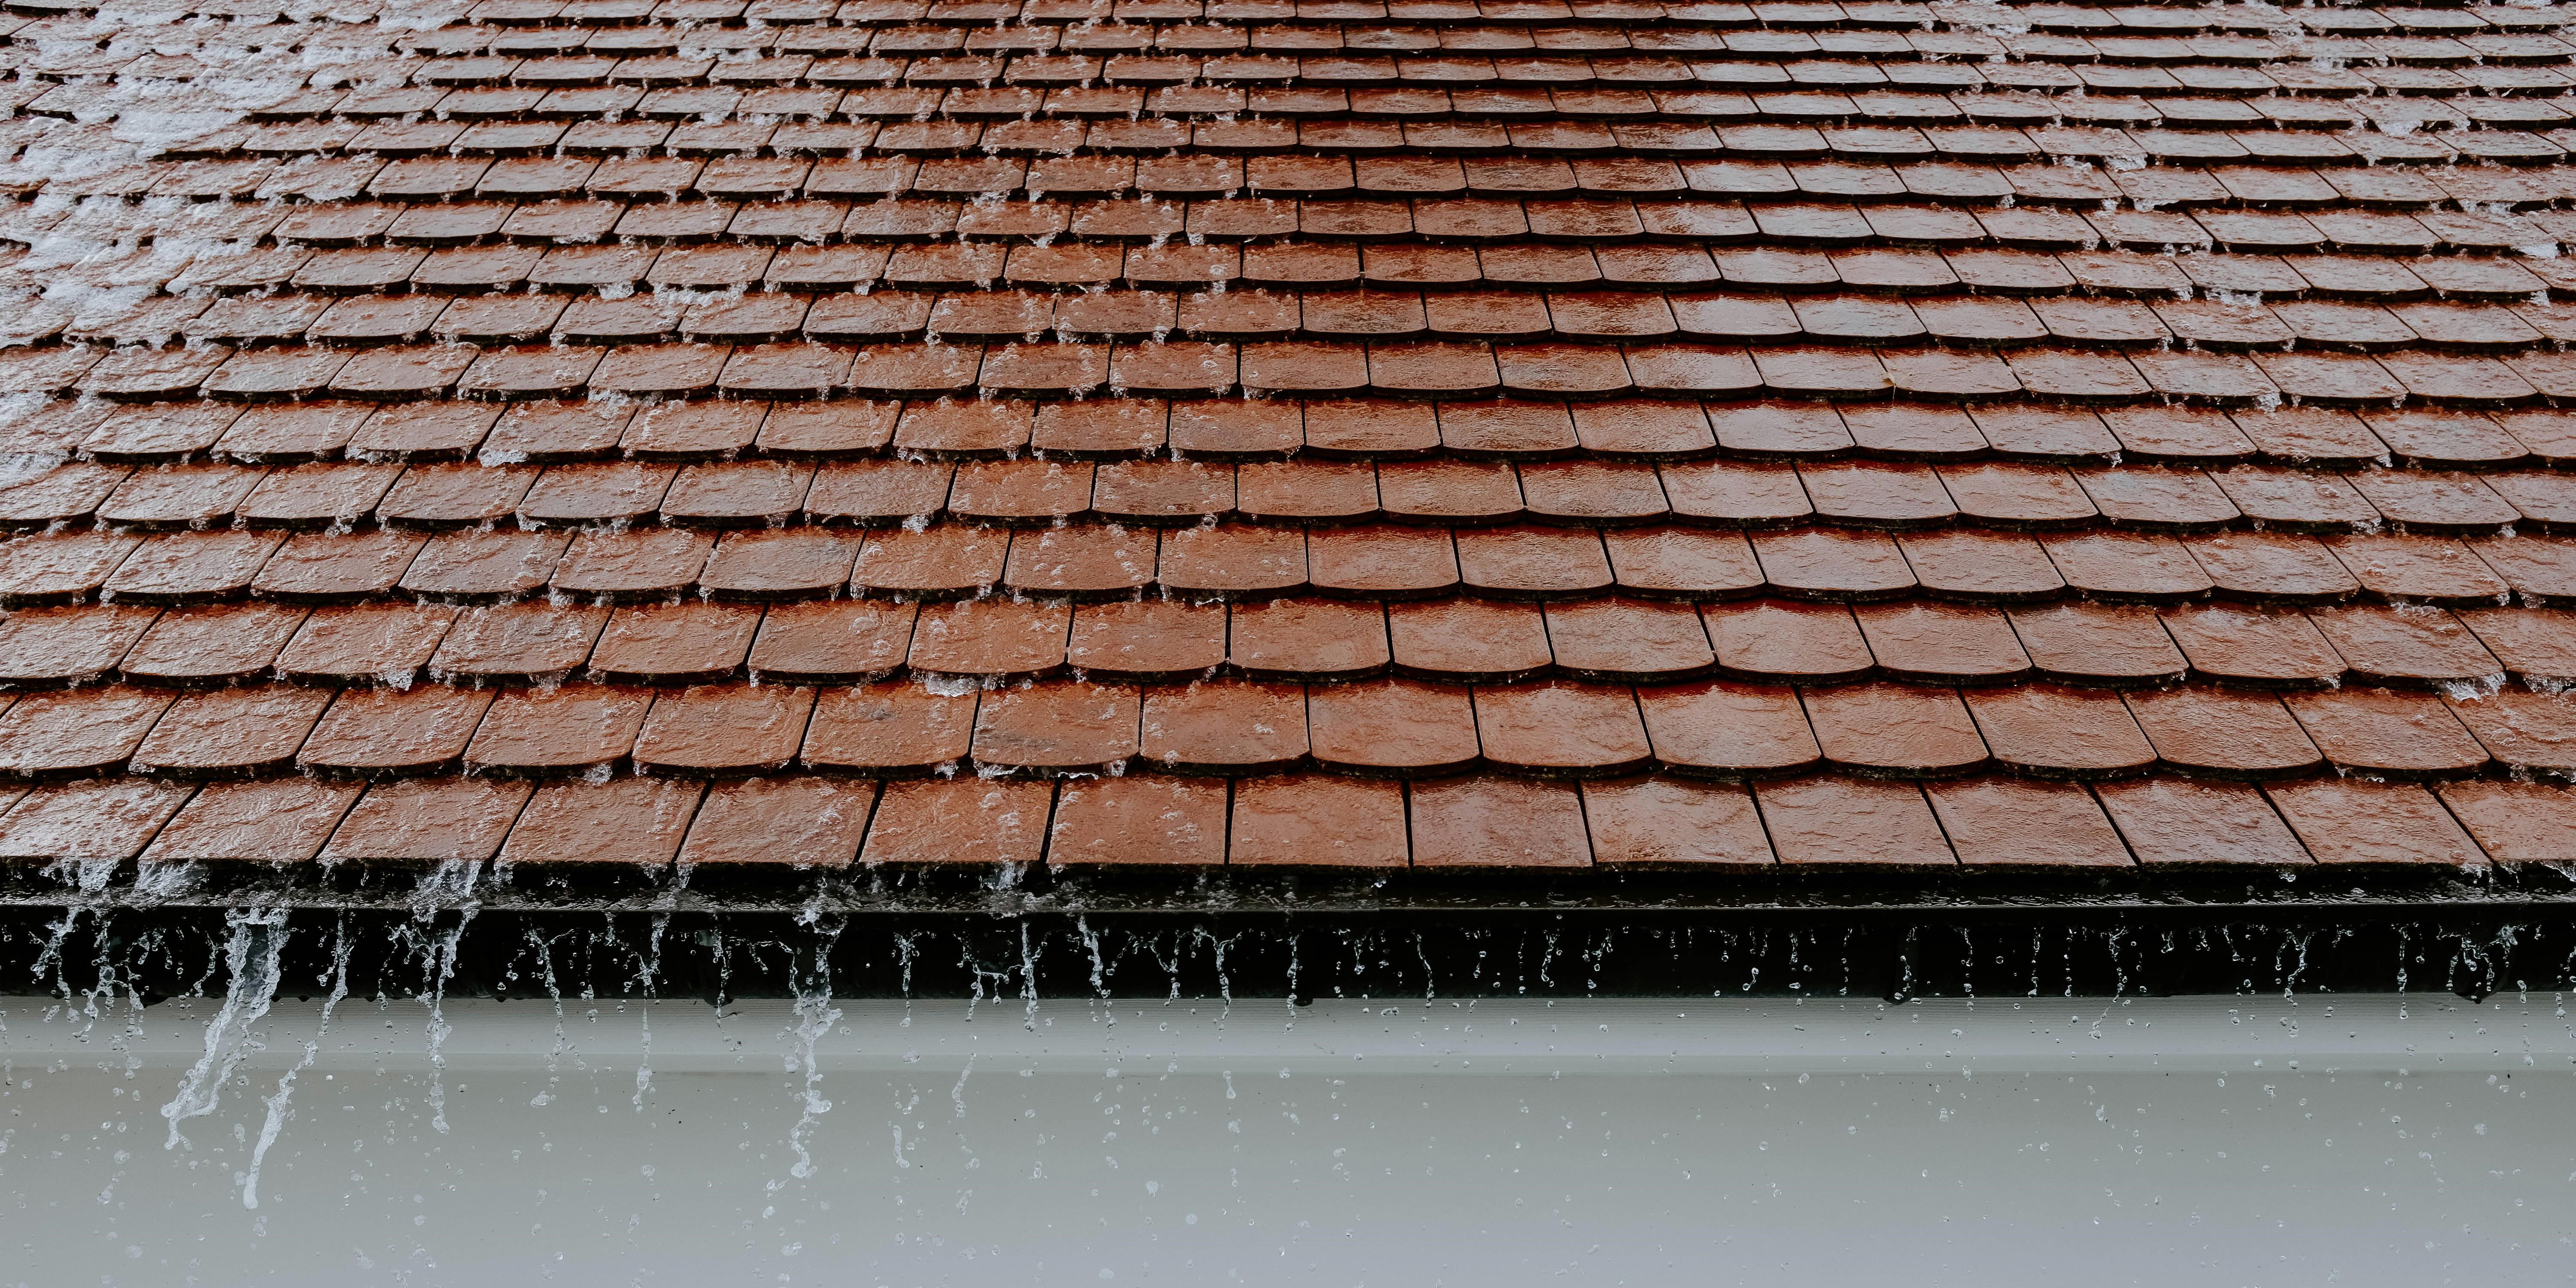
(1826, 825)
(1434, 434)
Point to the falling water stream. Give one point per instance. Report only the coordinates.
(451, 1086)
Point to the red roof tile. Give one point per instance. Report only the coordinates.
(1287, 406)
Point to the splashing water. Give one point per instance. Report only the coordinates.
(250, 957)
(276, 1101)
(449, 885)
(815, 1016)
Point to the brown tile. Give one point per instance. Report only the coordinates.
(2127, 566)
(607, 493)
(2406, 645)
(1382, 561)
(991, 637)
(2270, 567)
(2008, 823)
(1369, 427)
(2439, 504)
(823, 641)
(2176, 822)
(1982, 567)
(52, 647)
(1139, 821)
(723, 729)
(316, 496)
(1518, 430)
(1147, 641)
(113, 819)
(376, 732)
(697, 431)
(2516, 822)
(888, 728)
(428, 820)
(382, 643)
(192, 567)
(878, 493)
(2224, 733)
(449, 496)
(1308, 639)
(215, 644)
(683, 643)
(1935, 643)
(1162, 492)
(426, 431)
(68, 491)
(2344, 820)
(1306, 491)
(1463, 640)
(1449, 491)
(1232, 561)
(79, 732)
(281, 821)
(1902, 730)
(579, 728)
(2533, 644)
(804, 822)
(481, 567)
(1392, 727)
(529, 640)
(1822, 563)
(1631, 640)
(641, 821)
(1562, 729)
(1851, 822)
(231, 732)
(943, 561)
(983, 822)
(2052, 731)
(530, 372)
(1318, 820)
(1086, 562)
(2524, 729)
(1219, 429)
(2157, 500)
(2388, 731)
(331, 568)
(1532, 562)
(2420, 570)
(1498, 823)
(60, 568)
(1728, 730)
(1772, 639)
(1225, 727)
(1666, 822)
(1058, 727)
(1021, 491)
(1104, 429)
(2098, 644)
(2539, 568)
(2270, 648)
(632, 565)
(827, 430)
(796, 563)
(1683, 562)
(1877, 494)
(1785, 430)
(1595, 492)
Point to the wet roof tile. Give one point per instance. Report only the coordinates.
(1536, 398)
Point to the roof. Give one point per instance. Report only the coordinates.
(1886, 436)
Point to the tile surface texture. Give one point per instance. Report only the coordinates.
(1353, 434)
